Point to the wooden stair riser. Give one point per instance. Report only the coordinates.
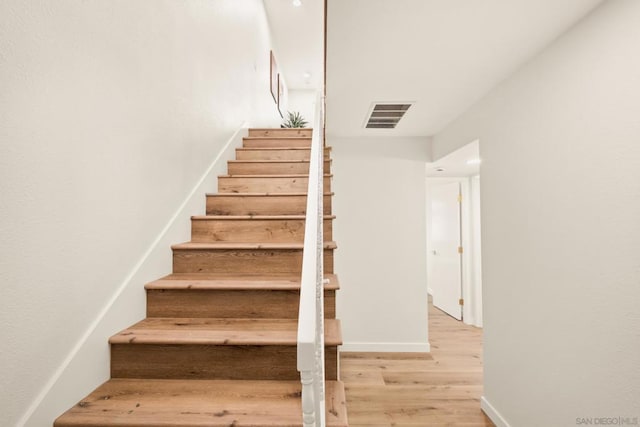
(239, 204)
(275, 142)
(271, 154)
(266, 184)
(285, 132)
(220, 362)
(263, 304)
(272, 168)
(252, 230)
(238, 261)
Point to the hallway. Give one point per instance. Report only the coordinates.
(441, 388)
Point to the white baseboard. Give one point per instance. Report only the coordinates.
(70, 382)
(400, 347)
(492, 413)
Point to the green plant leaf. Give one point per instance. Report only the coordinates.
(294, 120)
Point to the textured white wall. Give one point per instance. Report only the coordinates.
(561, 229)
(110, 113)
(303, 101)
(380, 230)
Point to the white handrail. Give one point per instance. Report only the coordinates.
(311, 311)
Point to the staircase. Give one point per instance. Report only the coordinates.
(218, 346)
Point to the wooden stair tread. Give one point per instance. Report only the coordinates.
(276, 137)
(191, 403)
(243, 246)
(326, 148)
(280, 129)
(270, 161)
(296, 175)
(225, 331)
(326, 193)
(250, 217)
(204, 281)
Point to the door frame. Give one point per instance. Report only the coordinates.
(471, 283)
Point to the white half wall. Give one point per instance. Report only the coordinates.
(111, 112)
(560, 226)
(380, 227)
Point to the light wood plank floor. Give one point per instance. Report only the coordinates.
(441, 388)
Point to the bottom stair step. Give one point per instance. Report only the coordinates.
(186, 403)
(215, 349)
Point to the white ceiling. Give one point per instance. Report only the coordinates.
(455, 164)
(297, 35)
(442, 54)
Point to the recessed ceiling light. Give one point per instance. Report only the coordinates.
(474, 161)
(307, 75)
(439, 169)
(297, 3)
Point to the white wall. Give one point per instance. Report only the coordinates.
(380, 227)
(303, 101)
(110, 113)
(561, 229)
(475, 274)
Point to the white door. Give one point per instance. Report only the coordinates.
(446, 271)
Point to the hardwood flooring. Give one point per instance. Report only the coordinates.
(441, 388)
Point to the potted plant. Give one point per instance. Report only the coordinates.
(294, 120)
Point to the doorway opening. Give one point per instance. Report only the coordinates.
(454, 272)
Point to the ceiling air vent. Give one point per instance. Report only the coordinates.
(386, 116)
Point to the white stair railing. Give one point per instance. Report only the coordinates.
(311, 311)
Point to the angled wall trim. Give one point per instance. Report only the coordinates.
(492, 413)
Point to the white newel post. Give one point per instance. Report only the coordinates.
(308, 406)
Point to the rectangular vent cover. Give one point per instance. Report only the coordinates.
(386, 116)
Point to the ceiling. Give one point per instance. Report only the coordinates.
(441, 55)
(455, 164)
(297, 35)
